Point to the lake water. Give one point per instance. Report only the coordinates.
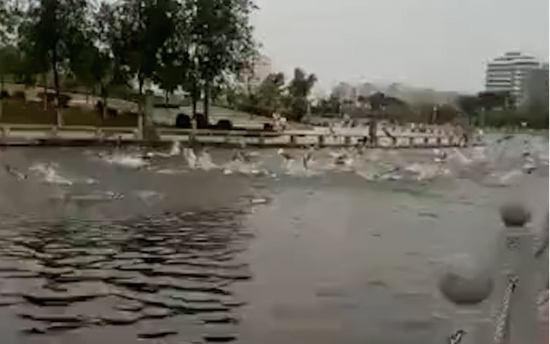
(188, 246)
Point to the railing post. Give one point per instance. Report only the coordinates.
(321, 141)
(468, 319)
(292, 140)
(347, 141)
(426, 141)
(53, 131)
(261, 139)
(516, 259)
(99, 133)
(394, 141)
(411, 141)
(438, 141)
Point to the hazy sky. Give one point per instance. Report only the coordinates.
(441, 44)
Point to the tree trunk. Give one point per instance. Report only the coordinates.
(45, 92)
(140, 81)
(103, 95)
(194, 99)
(194, 105)
(141, 110)
(206, 109)
(1, 97)
(56, 84)
(105, 107)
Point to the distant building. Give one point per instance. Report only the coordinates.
(535, 90)
(261, 68)
(509, 73)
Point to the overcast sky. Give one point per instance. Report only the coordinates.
(441, 44)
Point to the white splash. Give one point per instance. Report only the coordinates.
(170, 171)
(50, 174)
(479, 154)
(459, 157)
(424, 171)
(205, 161)
(148, 195)
(191, 158)
(15, 173)
(175, 149)
(503, 178)
(342, 158)
(125, 160)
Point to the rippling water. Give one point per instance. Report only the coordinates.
(189, 246)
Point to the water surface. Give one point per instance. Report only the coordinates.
(99, 248)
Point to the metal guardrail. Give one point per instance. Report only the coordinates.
(53, 131)
(321, 138)
(287, 137)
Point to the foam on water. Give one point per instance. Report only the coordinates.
(205, 162)
(49, 172)
(503, 178)
(175, 149)
(190, 157)
(243, 168)
(149, 196)
(126, 160)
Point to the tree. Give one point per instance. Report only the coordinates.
(9, 62)
(470, 105)
(10, 17)
(83, 61)
(170, 71)
(299, 89)
(377, 101)
(49, 29)
(222, 43)
(269, 93)
(491, 100)
(136, 31)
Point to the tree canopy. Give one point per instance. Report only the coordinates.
(193, 45)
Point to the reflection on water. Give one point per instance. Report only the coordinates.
(294, 246)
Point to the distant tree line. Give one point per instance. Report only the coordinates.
(193, 45)
(498, 109)
(273, 94)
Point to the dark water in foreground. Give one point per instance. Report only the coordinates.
(93, 252)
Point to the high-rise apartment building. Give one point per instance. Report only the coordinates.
(509, 73)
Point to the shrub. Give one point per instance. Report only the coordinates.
(4, 94)
(49, 97)
(112, 112)
(202, 123)
(19, 95)
(224, 124)
(64, 100)
(99, 107)
(183, 121)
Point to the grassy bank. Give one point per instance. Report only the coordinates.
(31, 112)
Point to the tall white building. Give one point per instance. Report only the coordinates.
(509, 73)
